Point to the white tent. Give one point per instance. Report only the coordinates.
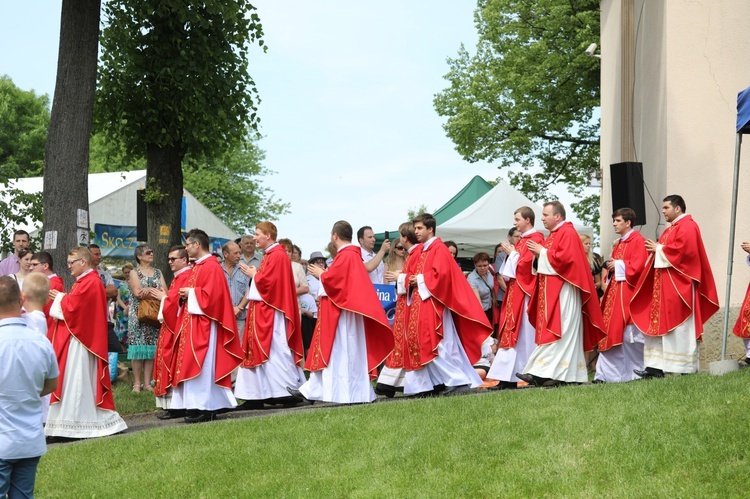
(112, 203)
(487, 221)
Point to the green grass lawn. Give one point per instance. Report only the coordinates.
(684, 436)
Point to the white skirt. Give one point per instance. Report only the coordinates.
(202, 392)
(564, 359)
(345, 380)
(509, 361)
(270, 379)
(617, 364)
(450, 368)
(76, 415)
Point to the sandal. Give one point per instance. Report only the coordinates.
(149, 388)
(137, 388)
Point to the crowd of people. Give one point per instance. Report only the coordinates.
(247, 324)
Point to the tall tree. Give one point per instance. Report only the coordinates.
(528, 98)
(230, 186)
(24, 117)
(174, 80)
(67, 150)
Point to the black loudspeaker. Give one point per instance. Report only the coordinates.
(627, 189)
(140, 215)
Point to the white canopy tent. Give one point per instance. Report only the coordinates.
(487, 221)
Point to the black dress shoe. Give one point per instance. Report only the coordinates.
(598, 382)
(454, 390)
(298, 395)
(532, 380)
(172, 414)
(505, 385)
(385, 390)
(649, 373)
(250, 405)
(552, 383)
(201, 417)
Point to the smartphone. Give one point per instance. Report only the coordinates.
(387, 235)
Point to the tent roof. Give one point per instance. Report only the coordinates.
(101, 185)
(743, 111)
(487, 221)
(476, 188)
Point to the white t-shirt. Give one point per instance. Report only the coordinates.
(26, 361)
(377, 275)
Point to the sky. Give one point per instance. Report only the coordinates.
(347, 117)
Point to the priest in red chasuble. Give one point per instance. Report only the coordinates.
(207, 347)
(82, 405)
(621, 351)
(447, 325)
(393, 375)
(742, 326)
(675, 295)
(170, 314)
(517, 338)
(273, 334)
(564, 308)
(352, 336)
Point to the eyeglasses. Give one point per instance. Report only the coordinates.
(70, 264)
(148, 252)
(399, 248)
(189, 243)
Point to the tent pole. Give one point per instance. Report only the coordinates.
(730, 257)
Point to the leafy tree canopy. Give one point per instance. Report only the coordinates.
(24, 118)
(528, 98)
(174, 73)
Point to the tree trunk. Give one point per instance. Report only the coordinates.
(163, 202)
(66, 155)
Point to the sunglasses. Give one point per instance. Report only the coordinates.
(148, 252)
(399, 247)
(172, 259)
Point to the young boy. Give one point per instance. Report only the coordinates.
(35, 294)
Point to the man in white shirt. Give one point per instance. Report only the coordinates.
(373, 261)
(28, 371)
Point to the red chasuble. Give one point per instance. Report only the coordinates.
(401, 319)
(616, 300)
(568, 258)
(84, 309)
(212, 292)
(449, 288)
(55, 282)
(348, 288)
(742, 326)
(165, 345)
(275, 283)
(512, 313)
(663, 298)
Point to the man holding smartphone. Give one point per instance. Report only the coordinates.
(373, 261)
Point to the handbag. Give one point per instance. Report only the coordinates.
(148, 312)
(148, 308)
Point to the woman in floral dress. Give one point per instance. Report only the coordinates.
(142, 337)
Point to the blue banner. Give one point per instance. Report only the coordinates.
(387, 296)
(120, 241)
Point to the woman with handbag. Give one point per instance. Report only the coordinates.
(143, 326)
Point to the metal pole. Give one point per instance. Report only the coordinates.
(730, 257)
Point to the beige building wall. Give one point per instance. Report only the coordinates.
(690, 60)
